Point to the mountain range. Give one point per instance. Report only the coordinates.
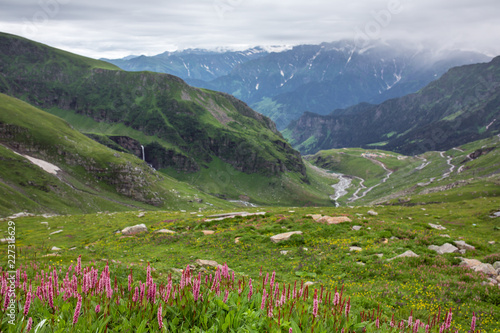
(461, 106)
(315, 78)
(208, 139)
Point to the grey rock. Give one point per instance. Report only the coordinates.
(496, 265)
(55, 232)
(445, 235)
(211, 263)
(309, 283)
(437, 226)
(360, 263)
(372, 213)
(462, 251)
(393, 238)
(355, 248)
(134, 229)
(356, 227)
(380, 255)
(165, 231)
(486, 269)
(45, 223)
(405, 255)
(284, 252)
(284, 236)
(470, 263)
(55, 248)
(464, 246)
(445, 248)
(142, 214)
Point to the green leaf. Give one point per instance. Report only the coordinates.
(295, 327)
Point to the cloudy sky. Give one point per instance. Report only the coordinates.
(117, 28)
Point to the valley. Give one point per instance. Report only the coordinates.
(132, 201)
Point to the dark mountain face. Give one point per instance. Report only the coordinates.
(462, 106)
(315, 78)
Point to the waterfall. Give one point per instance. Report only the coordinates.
(143, 156)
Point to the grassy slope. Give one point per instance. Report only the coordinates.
(75, 189)
(421, 285)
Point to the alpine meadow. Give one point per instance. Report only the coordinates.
(249, 180)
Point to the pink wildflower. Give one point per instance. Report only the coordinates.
(97, 308)
(473, 322)
(160, 317)
(27, 304)
(250, 293)
(315, 304)
(264, 295)
(29, 324)
(76, 315)
(226, 295)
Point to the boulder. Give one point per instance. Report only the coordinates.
(165, 231)
(284, 236)
(372, 213)
(333, 219)
(470, 263)
(437, 226)
(445, 248)
(464, 246)
(405, 255)
(315, 217)
(496, 265)
(136, 229)
(211, 263)
(486, 269)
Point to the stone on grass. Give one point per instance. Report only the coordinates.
(496, 265)
(165, 231)
(405, 255)
(309, 283)
(142, 214)
(203, 262)
(55, 248)
(464, 246)
(445, 235)
(237, 240)
(491, 242)
(372, 213)
(45, 223)
(470, 263)
(136, 229)
(486, 269)
(380, 255)
(437, 226)
(355, 248)
(315, 217)
(445, 248)
(360, 263)
(284, 236)
(333, 219)
(55, 232)
(52, 255)
(208, 232)
(357, 227)
(284, 252)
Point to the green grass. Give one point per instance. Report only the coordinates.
(419, 285)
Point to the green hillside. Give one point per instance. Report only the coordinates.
(92, 177)
(187, 133)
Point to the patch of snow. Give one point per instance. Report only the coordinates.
(257, 86)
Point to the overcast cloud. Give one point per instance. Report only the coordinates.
(114, 29)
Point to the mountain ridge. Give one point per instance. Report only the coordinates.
(460, 107)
